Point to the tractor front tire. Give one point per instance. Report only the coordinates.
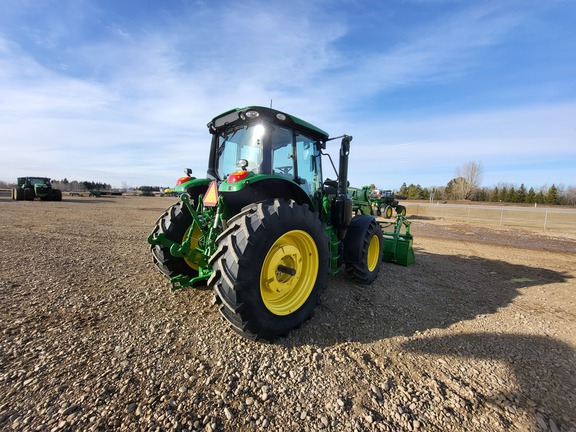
(57, 195)
(386, 211)
(174, 223)
(29, 194)
(363, 249)
(401, 210)
(270, 268)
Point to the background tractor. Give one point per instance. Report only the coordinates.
(264, 229)
(29, 188)
(381, 202)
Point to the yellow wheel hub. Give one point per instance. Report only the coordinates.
(373, 253)
(289, 272)
(194, 242)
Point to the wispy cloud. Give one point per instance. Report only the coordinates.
(532, 136)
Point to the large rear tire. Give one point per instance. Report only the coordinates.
(174, 223)
(363, 246)
(57, 195)
(18, 194)
(270, 268)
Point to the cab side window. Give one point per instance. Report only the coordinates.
(307, 155)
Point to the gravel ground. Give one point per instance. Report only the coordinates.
(478, 335)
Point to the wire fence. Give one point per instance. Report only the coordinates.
(545, 218)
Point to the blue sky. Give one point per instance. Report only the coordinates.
(120, 91)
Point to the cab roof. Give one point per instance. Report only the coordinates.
(278, 117)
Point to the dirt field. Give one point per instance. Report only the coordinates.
(478, 335)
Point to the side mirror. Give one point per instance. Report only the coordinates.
(242, 163)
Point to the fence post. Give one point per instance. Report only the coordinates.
(468, 217)
(545, 218)
(501, 216)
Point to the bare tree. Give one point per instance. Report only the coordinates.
(467, 181)
(569, 195)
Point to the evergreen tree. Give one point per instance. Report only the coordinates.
(503, 195)
(414, 192)
(521, 194)
(494, 195)
(511, 195)
(482, 195)
(552, 195)
(530, 196)
(403, 189)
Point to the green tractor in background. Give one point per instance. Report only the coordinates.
(370, 200)
(265, 228)
(29, 188)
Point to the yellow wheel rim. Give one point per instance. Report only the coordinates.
(388, 212)
(289, 272)
(194, 242)
(373, 253)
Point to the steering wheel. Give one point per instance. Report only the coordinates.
(284, 169)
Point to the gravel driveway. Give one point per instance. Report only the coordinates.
(478, 335)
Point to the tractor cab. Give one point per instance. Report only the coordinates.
(259, 153)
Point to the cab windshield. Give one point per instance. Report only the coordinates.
(273, 150)
(245, 143)
(39, 181)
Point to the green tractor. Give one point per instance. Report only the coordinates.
(29, 188)
(370, 200)
(265, 228)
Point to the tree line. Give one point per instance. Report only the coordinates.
(79, 186)
(84, 185)
(466, 185)
(68, 186)
(558, 195)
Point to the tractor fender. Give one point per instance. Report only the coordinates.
(354, 240)
(262, 188)
(184, 185)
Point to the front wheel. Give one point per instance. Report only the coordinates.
(29, 194)
(270, 268)
(174, 224)
(401, 210)
(386, 211)
(363, 249)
